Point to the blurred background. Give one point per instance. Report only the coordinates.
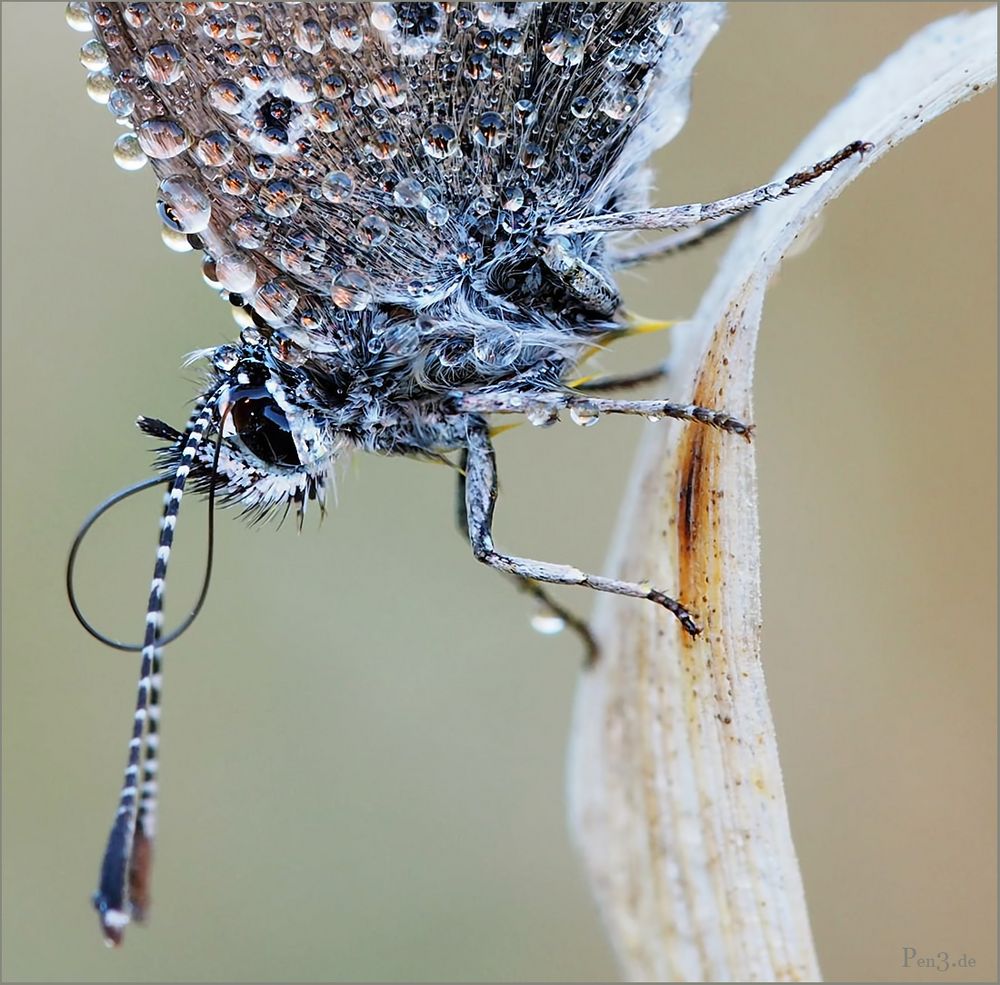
(364, 739)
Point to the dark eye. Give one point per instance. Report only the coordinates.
(264, 430)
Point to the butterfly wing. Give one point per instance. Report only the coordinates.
(329, 155)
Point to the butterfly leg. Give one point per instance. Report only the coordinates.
(532, 588)
(480, 501)
(685, 216)
(586, 409)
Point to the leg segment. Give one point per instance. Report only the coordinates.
(480, 500)
(573, 621)
(685, 216)
(588, 408)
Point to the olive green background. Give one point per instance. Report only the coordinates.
(364, 741)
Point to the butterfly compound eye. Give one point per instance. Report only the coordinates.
(264, 430)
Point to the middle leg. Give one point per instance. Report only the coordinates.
(480, 500)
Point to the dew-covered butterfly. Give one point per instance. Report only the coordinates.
(417, 212)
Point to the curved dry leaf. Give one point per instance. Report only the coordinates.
(676, 796)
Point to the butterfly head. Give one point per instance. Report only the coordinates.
(274, 443)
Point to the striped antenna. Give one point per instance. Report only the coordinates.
(123, 894)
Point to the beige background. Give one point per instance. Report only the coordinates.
(364, 740)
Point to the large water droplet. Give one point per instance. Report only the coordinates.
(309, 36)
(346, 34)
(410, 194)
(93, 55)
(162, 138)
(121, 103)
(564, 48)
(100, 85)
(490, 131)
(351, 290)
(236, 272)
(440, 141)
(585, 413)
(78, 17)
(183, 205)
(128, 154)
(215, 149)
(280, 198)
(546, 622)
(164, 63)
(389, 87)
(372, 231)
(337, 187)
(275, 301)
(496, 346)
(226, 96)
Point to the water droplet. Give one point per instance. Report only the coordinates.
(512, 197)
(333, 86)
(437, 216)
(383, 16)
(546, 622)
(564, 48)
(346, 34)
(215, 149)
(619, 103)
(351, 290)
(236, 272)
(440, 141)
(337, 187)
(496, 346)
(309, 36)
(585, 413)
(235, 183)
(162, 138)
(324, 117)
(262, 166)
(410, 194)
(389, 87)
(383, 146)
(226, 96)
(250, 28)
(280, 198)
(525, 111)
(100, 85)
(532, 156)
(275, 301)
(164, 63)
(183, 205)
(510, 41)
(541, 415)
(300, 87)
(490, 131)
(128, 154)
(78, 17)
(249, 231)
(93, 55)
(173, 240)
(582, 108)
(372, 231)
(120, 103)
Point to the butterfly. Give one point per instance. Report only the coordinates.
(417, 212)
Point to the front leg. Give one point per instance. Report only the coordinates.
(480, 500)
(586, 410)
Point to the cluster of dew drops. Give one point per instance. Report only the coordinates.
(274, 170)
(262, 175)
